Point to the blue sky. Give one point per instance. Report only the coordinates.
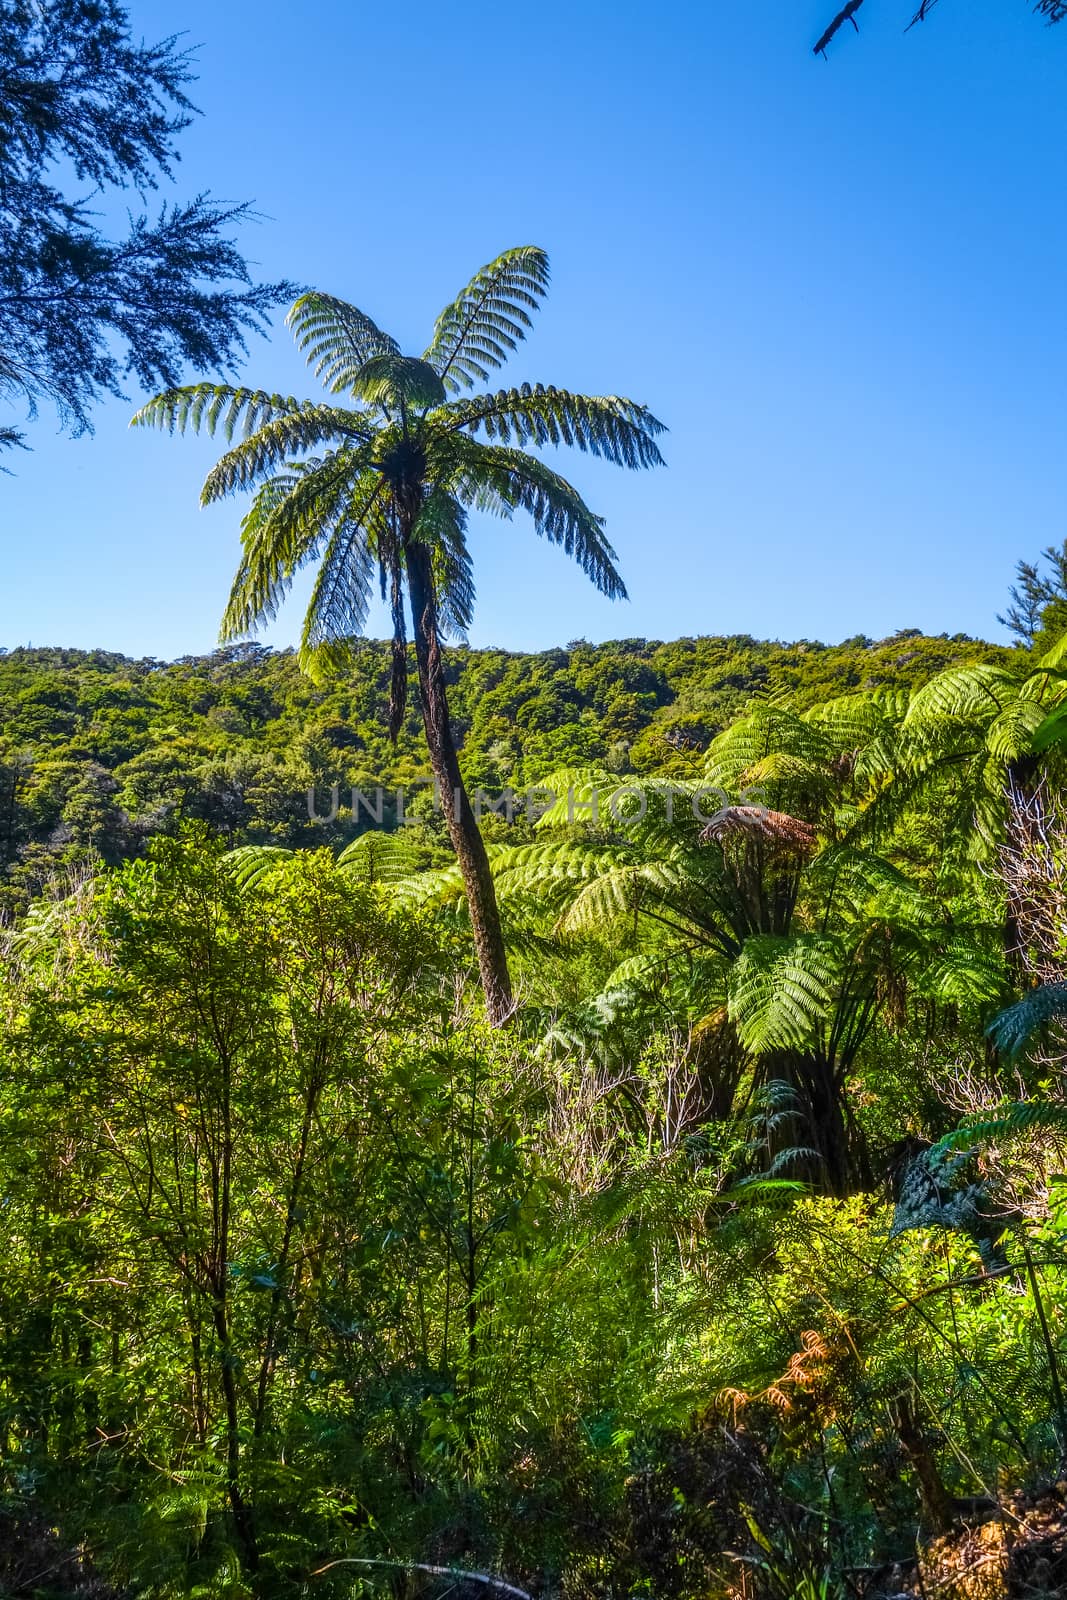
(839, 283)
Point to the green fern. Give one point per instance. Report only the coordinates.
(1012, 1030)
(1011, 1121)
(781, 990)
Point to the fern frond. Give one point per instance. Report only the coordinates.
(391, 380)
(488, 318)
(377, 857)
(860, 885)
(1052, 732)
(275, 443)
(960, 694)
(609, 426)
(437, 889)
(1011, 733)
(553, 869)
(768, 734)
(605, 898)
(851, 721)
(442, 526)
(340, 600)
(290, 519)
(964, 968)
(781, 989)
(1055, 655)
(501, 480)
(1012, 1029)
(337, 339)
(212, 406)
(574, 789)
(1010, 1122)
(251, 864)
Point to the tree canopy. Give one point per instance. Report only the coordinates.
(86, 113)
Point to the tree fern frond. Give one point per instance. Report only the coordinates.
(1052, 732)
(1011, 733)
(377, 857)
(337, 339)
(488, 318)
(442, 525)
(600, 902)
(251, 864)
(784, 766)
(851, 721)
(573, 789)
(608, 425)
(780, 989)
(275, 443)
(962, 969)
(290, 519)
(501, 480)
(863, 885)
(1012, 1029)
(1055, 655)
(961, 693)
(1010, 1122)
(553, 868)
(767, 733)
(391, 380)
(216, 405)
(340, 599)
(438, 888)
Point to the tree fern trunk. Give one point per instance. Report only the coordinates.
(459, 815)
(817, 1129)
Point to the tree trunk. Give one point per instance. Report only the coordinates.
(459, 815)
(816, 1122)
(937, 1504)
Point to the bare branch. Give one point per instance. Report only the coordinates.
(1054, 10)
(846, 14)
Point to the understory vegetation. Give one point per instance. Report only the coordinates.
(576, 1126)
(733, 1264)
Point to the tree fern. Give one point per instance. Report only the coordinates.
(380, 489)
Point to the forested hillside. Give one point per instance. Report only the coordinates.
(99, 753)
(585, 1125)
(730, 1264)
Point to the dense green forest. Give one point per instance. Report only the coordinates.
(650, 1186)
(98, 753)
(734, 1264)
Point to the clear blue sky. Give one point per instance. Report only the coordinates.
(839, 283)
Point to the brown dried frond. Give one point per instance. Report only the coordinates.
(736, 1399)
(809, 1365)
(757, 824)
(776, 1396)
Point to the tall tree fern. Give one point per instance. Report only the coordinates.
(377, 486)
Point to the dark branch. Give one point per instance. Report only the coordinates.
(846, 14)
(1054, 10)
